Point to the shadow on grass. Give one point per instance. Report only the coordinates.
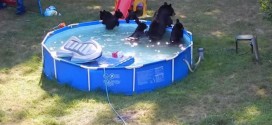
(219, 82)
(256, 112)
(123, 104)
(187, 101)
(163, 105)
(21, 35)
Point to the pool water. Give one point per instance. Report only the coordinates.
(111, 41)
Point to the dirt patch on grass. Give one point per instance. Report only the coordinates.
(133, 116)
(9, 21)
(242, 17)
(83, 116)
(262, 91)
(232, 11)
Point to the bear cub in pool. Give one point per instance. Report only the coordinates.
(139, 31)
(131, 16)
(110, 20)
(177, 33)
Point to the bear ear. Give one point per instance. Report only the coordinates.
(177, 20)
(170, 5)
(165, 3)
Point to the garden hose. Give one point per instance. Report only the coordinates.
(108, 99)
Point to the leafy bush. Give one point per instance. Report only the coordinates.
(266, 7)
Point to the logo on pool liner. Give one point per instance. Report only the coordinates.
(111, 79)
(150, 76)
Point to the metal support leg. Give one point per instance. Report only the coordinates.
(255, 49)
(40, 7)
(236, 42)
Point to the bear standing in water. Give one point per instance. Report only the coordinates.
(161, 20)
(131, 16)
(110, 20)
(139, 31)
(177, 33)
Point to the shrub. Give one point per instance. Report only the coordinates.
(266, 7)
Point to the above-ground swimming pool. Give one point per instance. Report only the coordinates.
(155, 65)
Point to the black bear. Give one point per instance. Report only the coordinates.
(104, 14)
(162, 19)
(118, 14)
(131, 16)
(166, 11)
(165, 8)
(156, 30)
(110, 20)
(177, 33)
(139, 31)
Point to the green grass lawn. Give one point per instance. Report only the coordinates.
(226, 89)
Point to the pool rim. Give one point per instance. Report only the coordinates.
(76, 25)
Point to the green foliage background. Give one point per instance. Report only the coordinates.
(266, 7)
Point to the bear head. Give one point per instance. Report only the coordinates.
(105, 14)
(131, 16)
(118, 14)
(166, 8)
(179, 25)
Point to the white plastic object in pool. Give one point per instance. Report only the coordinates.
(81, 52)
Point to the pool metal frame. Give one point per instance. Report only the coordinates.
(124, 80)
